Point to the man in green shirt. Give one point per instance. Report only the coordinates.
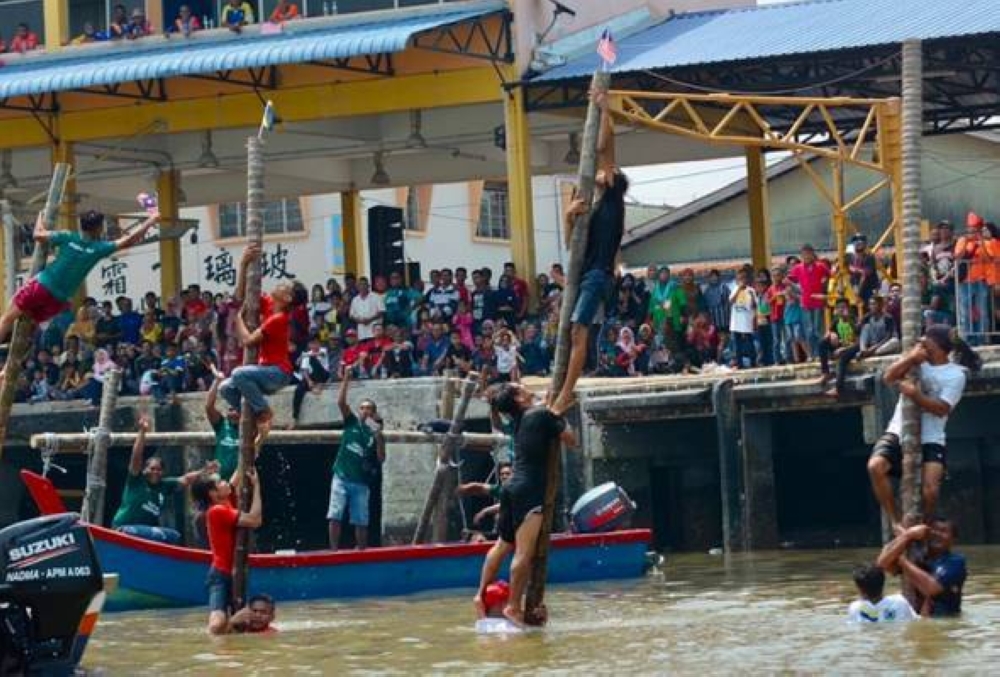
(227, 429)
(362, 448)
(48, 294)
(146, 492)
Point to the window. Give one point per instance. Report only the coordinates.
(493, 212)
(280, 216)
(411, 213)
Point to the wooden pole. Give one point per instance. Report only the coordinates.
(910, 491)
(437, 502)
(10, 257)
(251, 314)
(533, 612)
(24, 329)
(97, 467)
(78, 442)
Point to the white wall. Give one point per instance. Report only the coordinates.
(312, 258)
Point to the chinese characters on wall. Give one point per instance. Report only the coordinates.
(220, 268)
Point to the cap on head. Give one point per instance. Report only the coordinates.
(496, 594)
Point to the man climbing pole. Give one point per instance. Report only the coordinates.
(48, 293)
(604, 237)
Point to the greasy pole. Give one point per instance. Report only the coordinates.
(97, 466)
(251, 315)
(535, 596)
(24, 330)
(912, 125)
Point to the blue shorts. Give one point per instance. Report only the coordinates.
(344, 493)
(220, 590)
(595, 286)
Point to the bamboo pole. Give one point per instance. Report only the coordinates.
(10, 257)
(438, 498)
(78, 442)
(910, 491)
(534, 598)
(251, 314)
(444, 473)
(24, 329)
(97, 467)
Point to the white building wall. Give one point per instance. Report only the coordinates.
(449, 241)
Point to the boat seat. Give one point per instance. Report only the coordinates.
(43, 493)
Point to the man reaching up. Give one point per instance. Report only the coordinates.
(607, 226)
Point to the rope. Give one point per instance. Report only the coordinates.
(50, 447)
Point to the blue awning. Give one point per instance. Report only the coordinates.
(300, 42)
(797, 28)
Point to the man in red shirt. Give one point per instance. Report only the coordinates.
(811, 275)
(273, 370)
(24, 40)
(520, 287)
(222, 519)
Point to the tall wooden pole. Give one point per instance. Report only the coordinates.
(97, 467)
(577, 249)
(912, 130)
(10, 257)
(251, 314)
(24, 330)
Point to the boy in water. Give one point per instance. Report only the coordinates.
(48, 294)
(222, 520)
(495, 598)
(273, 370)
(872, 607)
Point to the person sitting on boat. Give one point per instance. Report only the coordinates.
(273, 370)
(937, 392)
(362, 451)
(226, 428)
(520, 520)
(256, 617)
(937, 578)
(872, 606)
(222, 520)
(146, 491)
(487, 490)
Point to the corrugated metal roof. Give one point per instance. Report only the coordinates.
(129, 61)
(796, 28)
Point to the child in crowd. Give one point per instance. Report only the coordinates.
(508, 357)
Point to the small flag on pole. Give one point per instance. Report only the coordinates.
(606, 49)
(267, 122)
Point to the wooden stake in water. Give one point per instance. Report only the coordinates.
(251, 315)
(909, 487)
(533, 611)
(23, 335)
(97, 467)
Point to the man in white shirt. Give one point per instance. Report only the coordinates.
(366, 310)
(937, 393)
(872, 607)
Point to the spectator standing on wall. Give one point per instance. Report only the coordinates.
(185, 23)
(236, 15)
(520, 287)
(366, 310)
(743, 310)
(716, 294)
(811, 275)
(24, 40)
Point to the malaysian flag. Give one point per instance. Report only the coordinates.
(606, 49)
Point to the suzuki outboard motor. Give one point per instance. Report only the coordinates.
(604, 508)
(49, 574)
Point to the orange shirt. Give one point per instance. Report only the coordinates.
(291, 12)
(981, 257)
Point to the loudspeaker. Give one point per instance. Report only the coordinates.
(385, 241)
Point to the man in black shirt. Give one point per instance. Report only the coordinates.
(607, 226)
(521, 498)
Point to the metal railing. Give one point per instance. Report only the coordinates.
(977, 283)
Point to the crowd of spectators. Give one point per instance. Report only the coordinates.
(655, 323)
(23, 40)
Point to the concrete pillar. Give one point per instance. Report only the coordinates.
(56, 13)
(167, 189)
(350, 228)
(520, 213)
(760, 227)
(727, 432)
(760, 508)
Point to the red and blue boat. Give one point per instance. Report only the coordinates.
(157, 575)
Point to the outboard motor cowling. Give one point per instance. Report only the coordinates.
(604, 508)
(49, 574)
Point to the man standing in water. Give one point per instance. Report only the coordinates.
(361, 447)
(521, 499)
(938, 579)
(604, 238)
(222, 520)
(937, 393)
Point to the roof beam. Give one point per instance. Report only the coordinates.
(234, 111)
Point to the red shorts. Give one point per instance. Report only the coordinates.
(37, 302)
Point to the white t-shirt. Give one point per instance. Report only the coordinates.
(942, 382)
(366, 308)
(742, 310)
(506, 358)
(889, 609)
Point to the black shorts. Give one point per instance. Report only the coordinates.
(514, 508)
(889, 448)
